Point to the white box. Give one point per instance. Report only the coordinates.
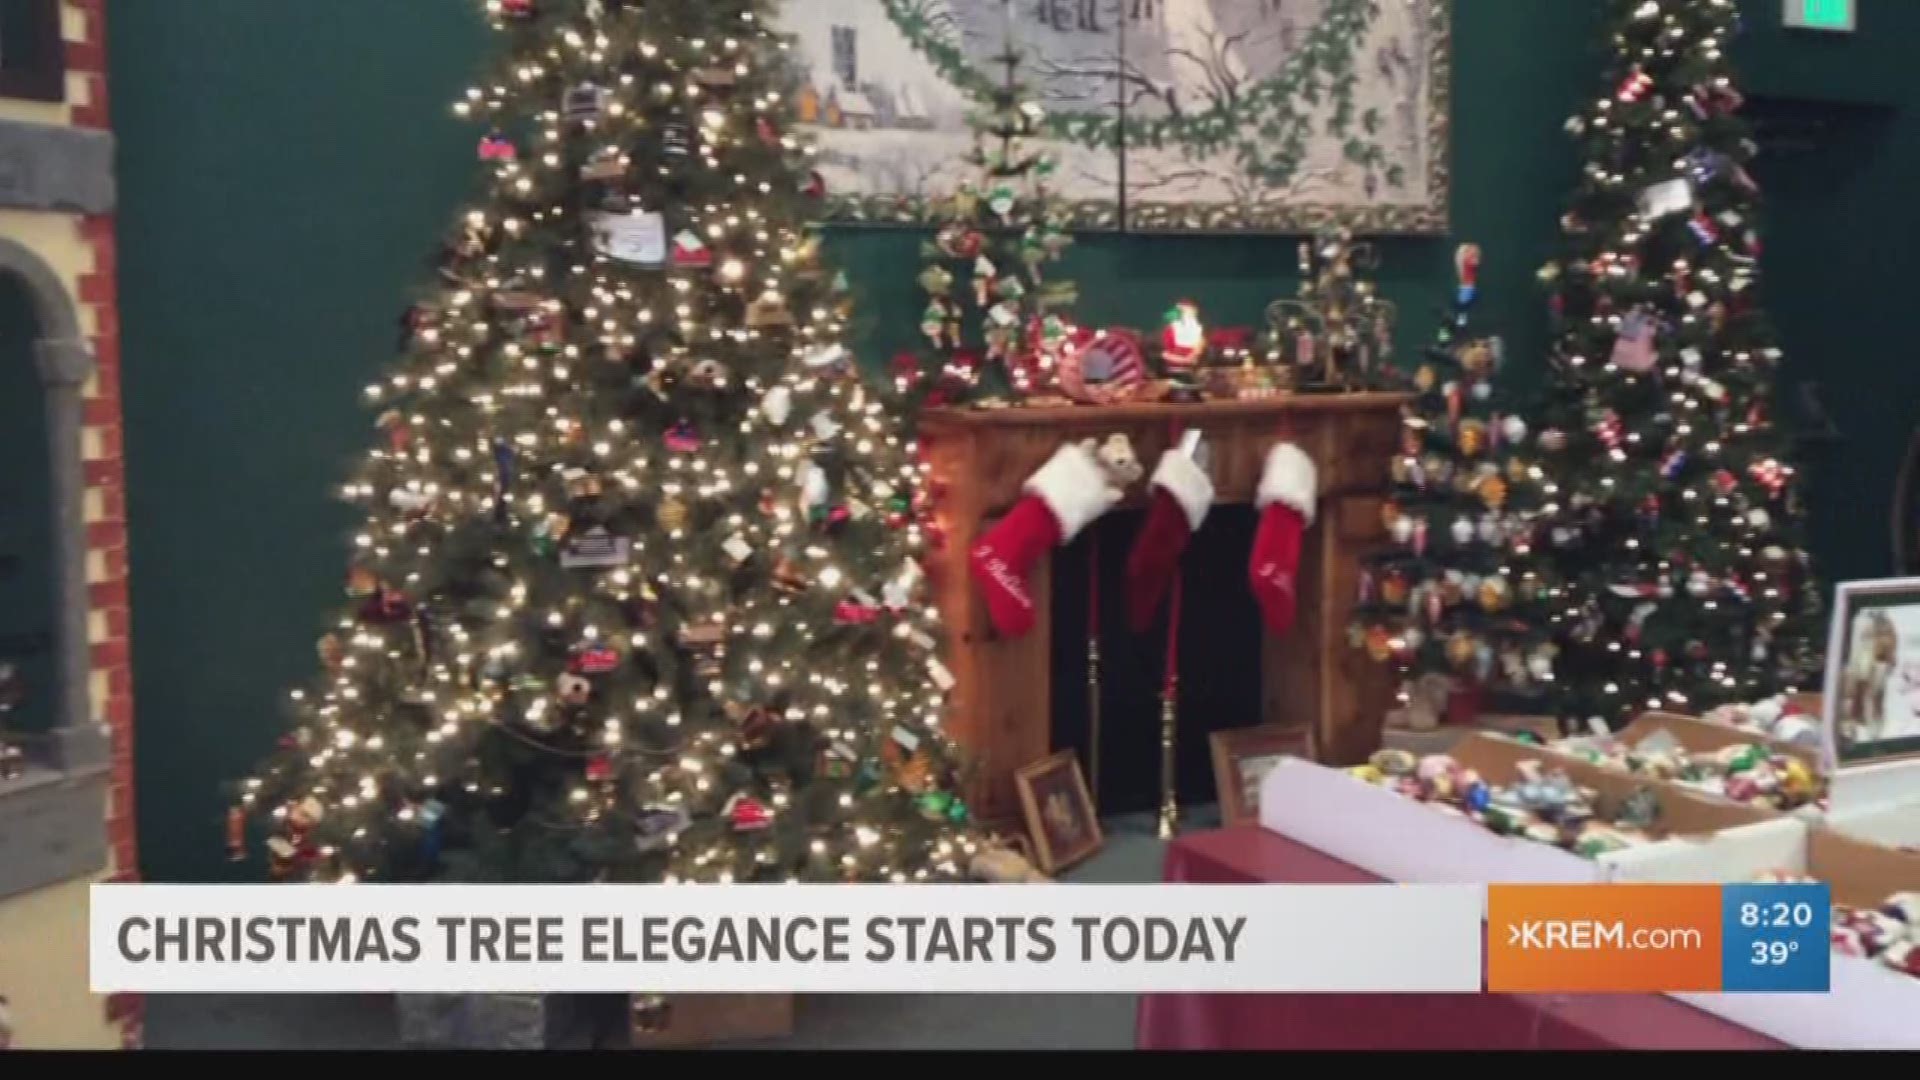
(1402, 840)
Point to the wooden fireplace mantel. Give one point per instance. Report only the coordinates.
(1312, 679)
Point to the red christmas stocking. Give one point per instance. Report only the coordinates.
(1182, 494)
(1286, 501)
(1067, 494)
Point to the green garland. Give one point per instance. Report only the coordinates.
(1322, 68)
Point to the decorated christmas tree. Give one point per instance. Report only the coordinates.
(637, 594)
(1337, 334)
(1462, 599)
(993, 321)
(1681, 512)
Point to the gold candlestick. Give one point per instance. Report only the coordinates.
(1169, 795)
(1093, 715)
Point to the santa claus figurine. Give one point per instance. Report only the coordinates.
(1184, 339)
(1182, 344)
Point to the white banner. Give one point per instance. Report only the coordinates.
(785, 938)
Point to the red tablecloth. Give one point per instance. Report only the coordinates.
(1252, 855)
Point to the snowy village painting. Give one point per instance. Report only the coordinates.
(1164, 115)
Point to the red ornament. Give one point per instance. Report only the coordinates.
(1725, 482)
(1635, 85)
(816, 186)
(519, 9)
(386, 606)
(768, 133)
(497, 147)
(1769, 474)
(1610, 431)
(596, 660)
(748, 814)
(600, 769)
(849, 613)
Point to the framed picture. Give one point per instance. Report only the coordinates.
(1242, 758)
(1872, 693)
(1190, 116)
(1059, 811)
(33, 57)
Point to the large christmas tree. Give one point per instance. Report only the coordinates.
(637, 597)
(1680, 513)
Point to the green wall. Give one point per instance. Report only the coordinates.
(286, 169)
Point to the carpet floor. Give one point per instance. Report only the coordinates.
(832, 1021)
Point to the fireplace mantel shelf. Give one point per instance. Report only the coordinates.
(1160, 412)
(1312, 678)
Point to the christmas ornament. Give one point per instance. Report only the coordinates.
(596, 549)
(769, 312)
(691, 252)
(583, 103)
(1666, 197)
(1472, 437)
(1466, 262)
(1769, 474)
(1609, 430)
(1379, 644)
(1635, 86)
(603, 165)
(573, 689)
(1001, 201)
(681, 438)
(1394, 588)
(676, 139)
(1633, 347)
(672, 514)
(497, 147)
(638, 237)
(1462, 647)
(1109, 368)
(595, 660)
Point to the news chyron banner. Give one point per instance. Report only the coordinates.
(961, 938)
(784, 938)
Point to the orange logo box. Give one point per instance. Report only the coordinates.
(1603, 938)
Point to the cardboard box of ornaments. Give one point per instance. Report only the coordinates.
(1792, 787)
(1401, 839)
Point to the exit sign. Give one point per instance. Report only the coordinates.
(1835, 15)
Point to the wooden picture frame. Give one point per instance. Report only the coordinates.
(33, 54)
(1867, 707)
(1059, 812)
(1241, 760)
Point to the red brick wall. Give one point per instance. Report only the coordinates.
(106, 483)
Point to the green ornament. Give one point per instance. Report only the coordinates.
(937, 280)
(1744, 760)
(1002, 200)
